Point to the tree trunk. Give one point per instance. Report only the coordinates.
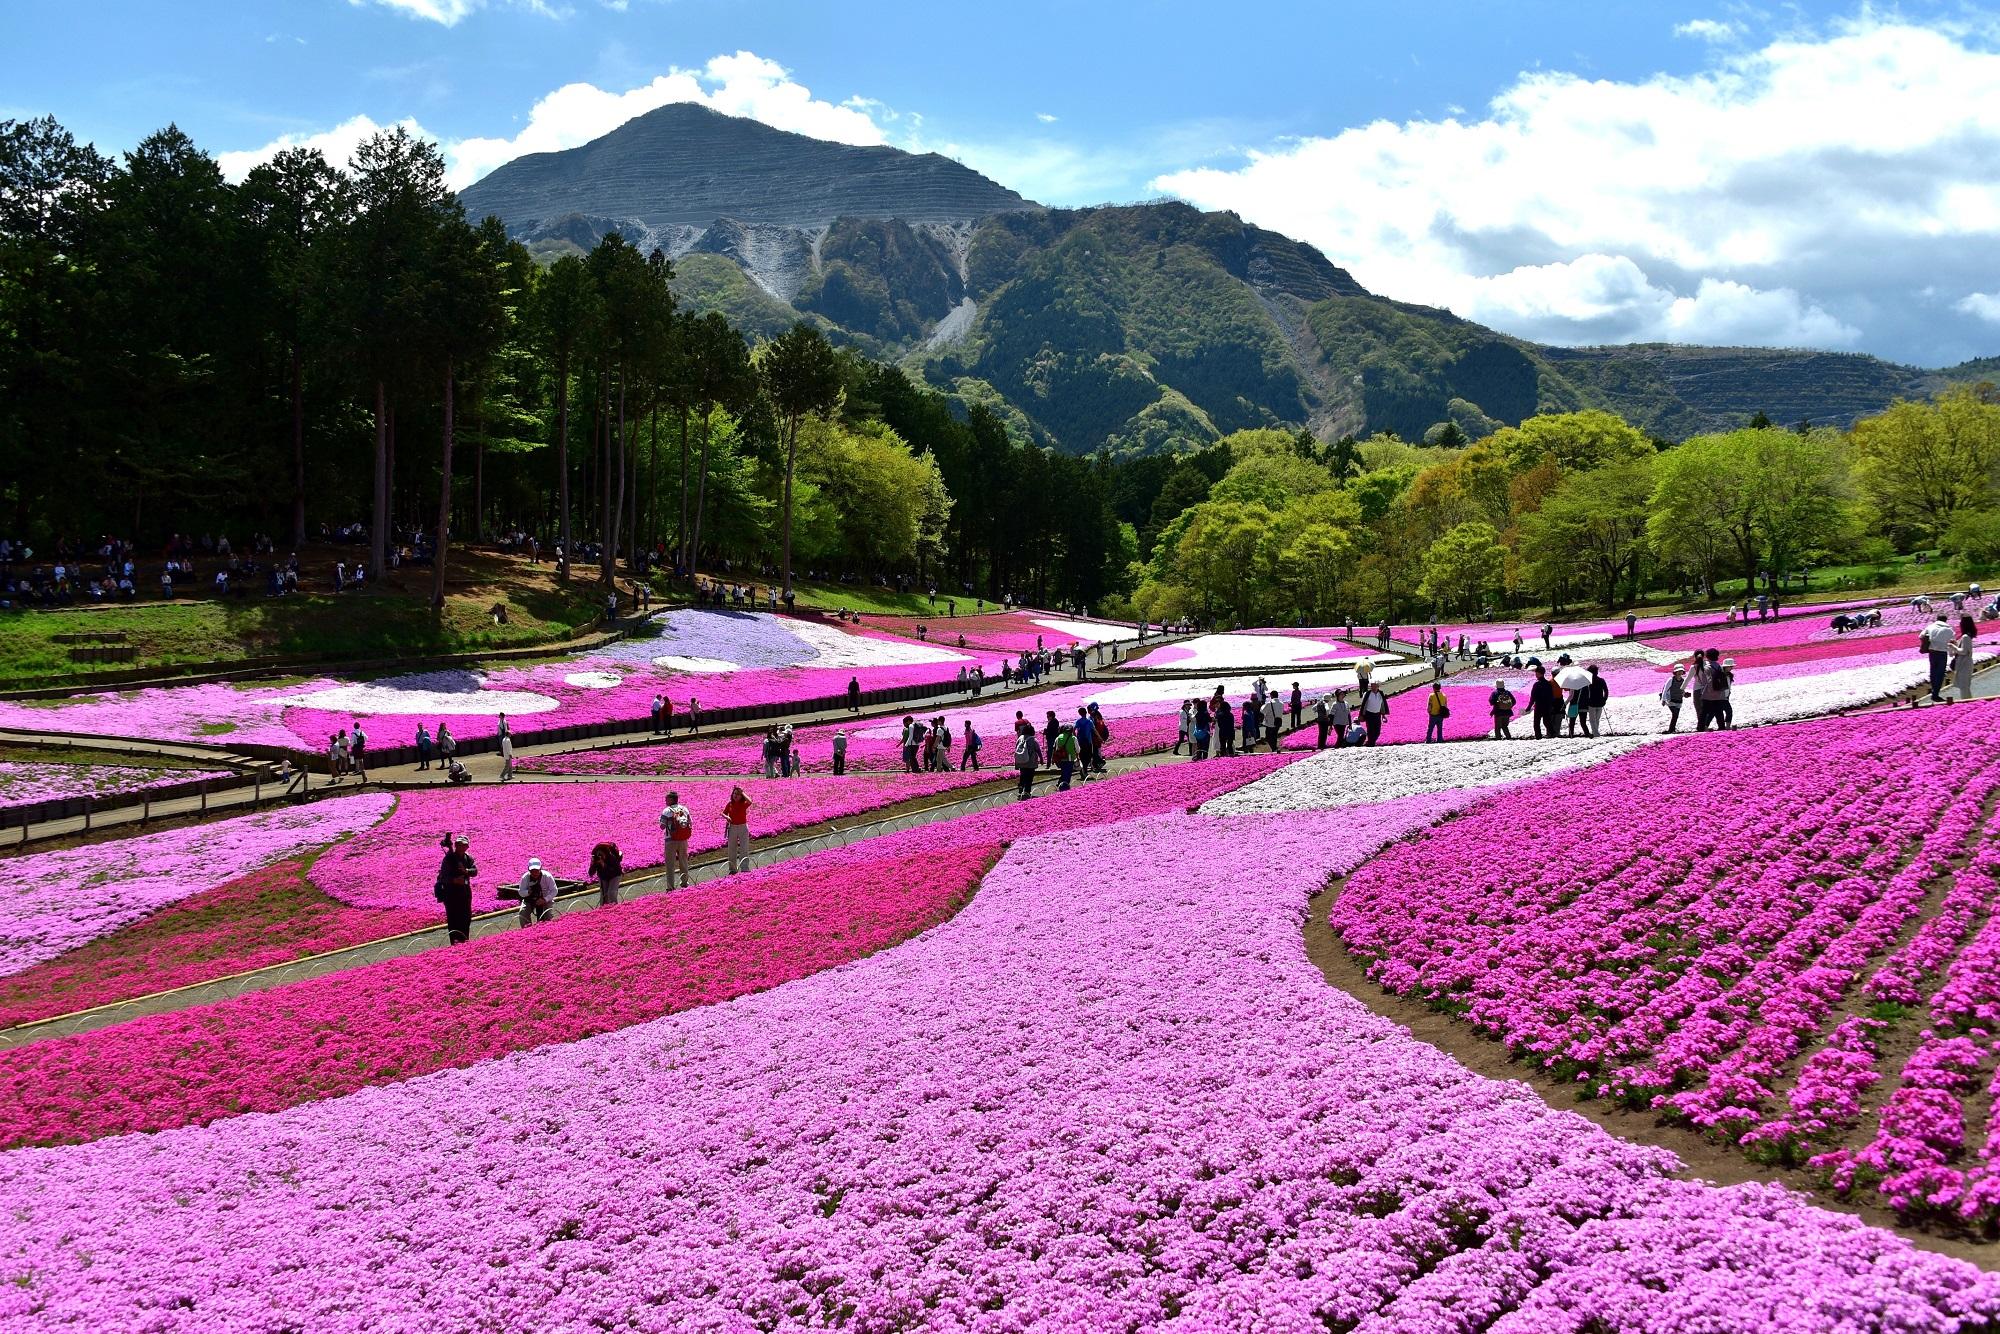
(378, 527)
(791, 466)
(681, 533)
(298, 449)
(700, 498)
(653, 484)
(562, 460)
(444, 501)
(617, 506)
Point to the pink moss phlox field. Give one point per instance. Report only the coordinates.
(999, 631)
(1686, 945)
(582, 974)
(67, 897)
(269, 916)
(394, 865)
(25, 783)
(1108, 1097)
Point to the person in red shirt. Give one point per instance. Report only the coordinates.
(736, 812)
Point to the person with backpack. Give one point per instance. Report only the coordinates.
(1199, 731)
(1501, 705)
(676, 829)
(607, 868)
(1436, 709)
(1100, 732)
(537, 892)
(1065, 751)
(1711, 692)
(1673, 694)
(454, 888)
(423, 749)
(1027, 758)
(968, 754)
(1083, 733)
(1936, 642)
(736, 829)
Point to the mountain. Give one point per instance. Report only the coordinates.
(1135, 328)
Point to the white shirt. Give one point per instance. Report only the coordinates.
(1937, 636)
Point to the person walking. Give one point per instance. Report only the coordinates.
(1065, 751)
(1341, 716)
(909, 744)
(1084, 733)
(1548, 637)
(1936, 641)
(360, 753)
(506, 750)
(1298, 706)
(736, 829)
(336, 756)
(607, 868)
(1322, 718)
(968, 752)
(1374, 712)
(1274, 722)
(694, 716)
(423, 749)
(1711, 689)
(1595, 696)
(1436, 709)
(839, 752)
(1631, 626)
(447, 748)
(1673, 694)
(454, 888)
(1027, 758)
(538, 894)
(658, 700)
(1185, 735)
(1961, 656)
(676, 829)
(1501, 705)
(1544, 705)
(854, 694)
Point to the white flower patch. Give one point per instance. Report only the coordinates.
(1502, 640)
(1247, 651)
(833, 647)
(1783, 699)
(1087, 631)
(594, 680)
(1359, 776)
(1312, 683)
(706, 666)
(449, 693)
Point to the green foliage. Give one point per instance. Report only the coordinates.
(1973, 541)
(1464, 568)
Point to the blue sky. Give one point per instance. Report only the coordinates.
(1806, 174)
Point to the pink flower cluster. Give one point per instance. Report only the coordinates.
(65, 898)
(25, 783)
(1678, 926)
(394, 865)
(268, 916)
(1111, 1093)
(998, 631)
(582, 974)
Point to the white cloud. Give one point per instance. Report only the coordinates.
(1791, 194)
(1045, 118)
(1708, 30)
(336, 145)
(743, 84)
(1982, 305)
(451, 12)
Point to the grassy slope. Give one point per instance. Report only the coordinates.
(382, 623)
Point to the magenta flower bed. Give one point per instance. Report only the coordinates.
(395, 864)
(268, 916)
(25, 783)
(65, 898)
(1002, 631)
(1120, 1100)
(1684, 939)
(580, 975)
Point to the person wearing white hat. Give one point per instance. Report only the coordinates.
(1674, 694)
(538, 894)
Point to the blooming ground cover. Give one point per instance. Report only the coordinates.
(59, 900)
(1569, 634)
(25, 783)
(1005, 631)
(1249, 650)
(582, 974)
(394, 864)
(1728, 930)
(266, 916)
(722, 658)
(1144, 716)
(1114, 1100)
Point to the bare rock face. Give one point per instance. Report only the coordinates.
(685, 164)
(778, 259)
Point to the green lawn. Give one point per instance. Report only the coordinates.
(871, 601)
